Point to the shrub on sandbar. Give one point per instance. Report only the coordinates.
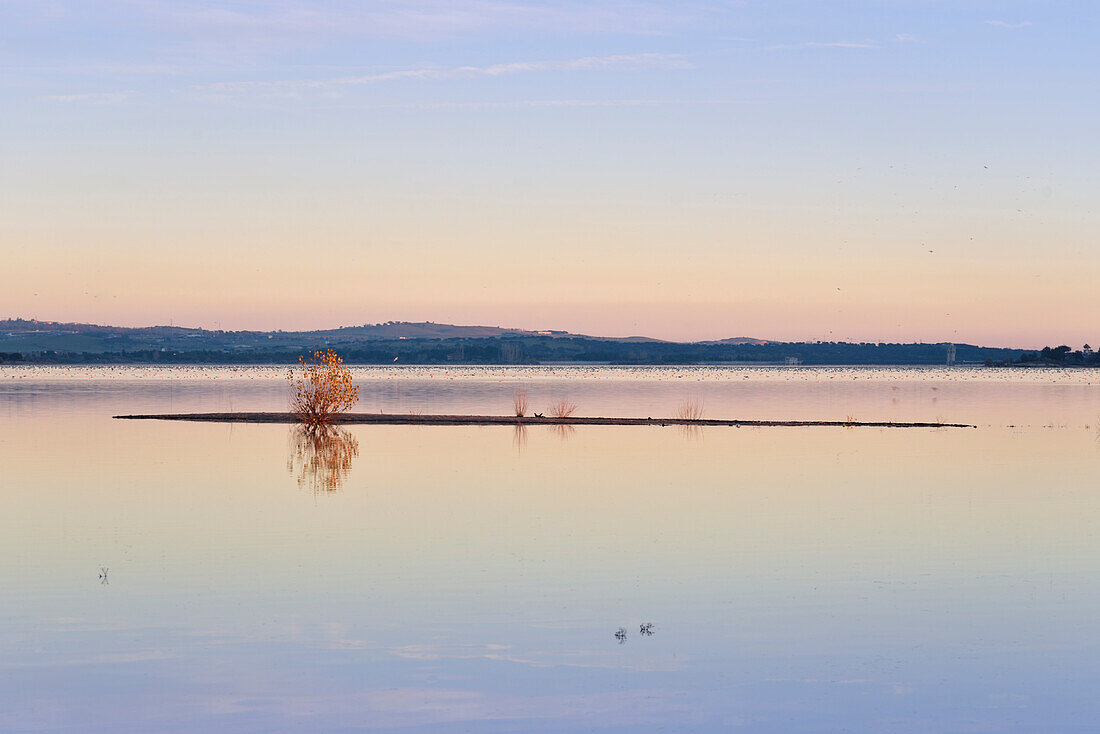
(321, 388)
(563, 408)
(690, 410)
(519, 402)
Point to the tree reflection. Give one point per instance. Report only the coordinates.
(691, 433)
(565, 432)
(321, 456)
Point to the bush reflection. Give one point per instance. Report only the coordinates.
(321, 456)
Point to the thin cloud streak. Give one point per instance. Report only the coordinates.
(822, 44)
(298, 20)
(536, 103)
(1003, 24)
(92, 97)
(625, 62)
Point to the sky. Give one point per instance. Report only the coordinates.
(901, 170)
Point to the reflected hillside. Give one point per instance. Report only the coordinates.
(320, 457)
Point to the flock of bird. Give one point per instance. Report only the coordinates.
(741, 391)
(701, 373)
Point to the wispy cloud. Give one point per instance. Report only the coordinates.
(290, 87)
(412, 19)
(627, 61)
(824, 44)
(537, 103)
(92, 97)
(93, 69)
(1005, 24)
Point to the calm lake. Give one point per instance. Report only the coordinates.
(162, 576)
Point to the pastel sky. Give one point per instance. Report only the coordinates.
(897, 170)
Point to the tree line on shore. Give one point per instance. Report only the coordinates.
(1062, 355)
(542, 350)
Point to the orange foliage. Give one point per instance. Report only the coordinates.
(321, 389)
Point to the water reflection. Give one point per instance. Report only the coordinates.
(519, 437)
(321, 457)
(789, 578)
(691, 433)
(565, 432)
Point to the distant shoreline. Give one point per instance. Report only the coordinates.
(397, 419)
(35, 342)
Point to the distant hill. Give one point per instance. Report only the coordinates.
(33, 336)
(49, 342)
(422, 330)
(34, 329)
(26, 335)
(738, 340)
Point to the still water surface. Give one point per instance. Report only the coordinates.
(474, 578)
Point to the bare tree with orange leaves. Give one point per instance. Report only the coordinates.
(321, 389)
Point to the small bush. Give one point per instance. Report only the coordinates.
(519, 402)
(690, 410)
(562, 408)
(321, 389)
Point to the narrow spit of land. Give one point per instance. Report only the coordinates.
(397, 419)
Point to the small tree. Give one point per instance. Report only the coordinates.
(321, 389)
